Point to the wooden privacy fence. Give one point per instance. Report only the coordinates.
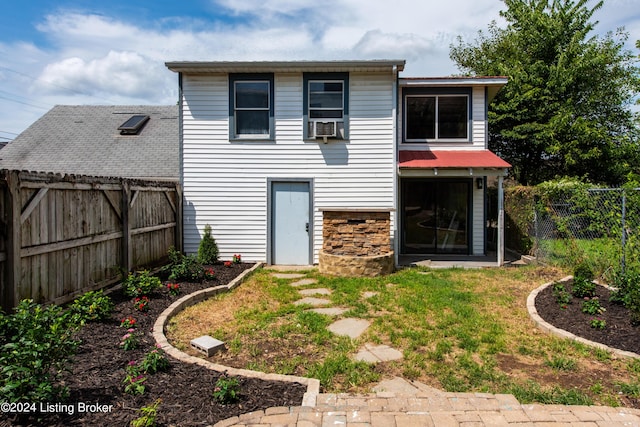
(65, 235)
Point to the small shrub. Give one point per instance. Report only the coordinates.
(92, 306)
(208, 249)
(237, 258)
(598, 323)
(627, 293)
(227, 390)
(583, 288)
(36, 347)
(155, 361)
(149, 414)
(134, 380)
(561, 295)
(592, 306)
(184, 267)
(583, 271)
(140, 283)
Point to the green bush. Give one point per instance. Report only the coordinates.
(583, 288)
(91, 306)
(36, 347)
(208, 249)
(627, 292)
(185, 267)
(140, 283)
(583, 272)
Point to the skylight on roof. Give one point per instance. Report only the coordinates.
(134, 125)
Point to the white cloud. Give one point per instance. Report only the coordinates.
(126, 74)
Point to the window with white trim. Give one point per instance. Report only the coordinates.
(251, 106)
(436, 117)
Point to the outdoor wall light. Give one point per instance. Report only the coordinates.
(479, 183)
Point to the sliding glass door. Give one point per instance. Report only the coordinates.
(435, 216)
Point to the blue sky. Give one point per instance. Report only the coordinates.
(113, 52)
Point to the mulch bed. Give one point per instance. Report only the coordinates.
(618, 332)
(185, 390)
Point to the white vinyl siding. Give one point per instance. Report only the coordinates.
(225, 182)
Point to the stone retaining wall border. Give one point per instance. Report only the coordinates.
(533, 313)
(313, 385)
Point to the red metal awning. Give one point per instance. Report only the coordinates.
(450, 159)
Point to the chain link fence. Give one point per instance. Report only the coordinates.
(599, 226)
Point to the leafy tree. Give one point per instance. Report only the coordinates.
(566, 109)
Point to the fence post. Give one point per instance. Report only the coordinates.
(127, 255)
(14, 228)
(624, 230)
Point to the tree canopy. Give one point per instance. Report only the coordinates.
(566, 109)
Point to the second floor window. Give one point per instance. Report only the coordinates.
(251, 106)
(436, 117)
(326, 99)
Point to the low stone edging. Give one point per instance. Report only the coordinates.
(313, 385)
(533, 313)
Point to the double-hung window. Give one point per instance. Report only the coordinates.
(251, 106)
(436, 116)
(326, 104)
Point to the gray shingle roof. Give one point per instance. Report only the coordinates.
(85, 140)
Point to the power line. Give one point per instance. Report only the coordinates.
(24, 103)
(75, 91)
(13, 95)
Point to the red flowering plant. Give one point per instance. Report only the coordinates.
(141, 303)
(227, 263)
(128, 322)
(174, 288)
(209, 274)
(237, 258)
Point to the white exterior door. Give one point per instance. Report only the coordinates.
(290, 218)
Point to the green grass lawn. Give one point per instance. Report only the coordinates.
(459, 330)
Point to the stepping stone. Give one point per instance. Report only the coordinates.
(319, 291)
(377, 353)
(349, 327)
(396, 385)
(369, 294)
(304, 282)
(330, 311)
(312, 301)
(287, 275)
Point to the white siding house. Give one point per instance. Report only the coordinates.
(232, 182)
(266, 147)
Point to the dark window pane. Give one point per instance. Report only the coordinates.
(325, 114)
(421, 117)
(325, 100)
(252, 95)
(252, 122)
(452, 117)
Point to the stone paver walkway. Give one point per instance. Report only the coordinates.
(433, 408)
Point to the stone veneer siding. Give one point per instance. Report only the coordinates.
(356, 243)
(356, 233)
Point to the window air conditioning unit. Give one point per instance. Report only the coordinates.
(323, 129)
